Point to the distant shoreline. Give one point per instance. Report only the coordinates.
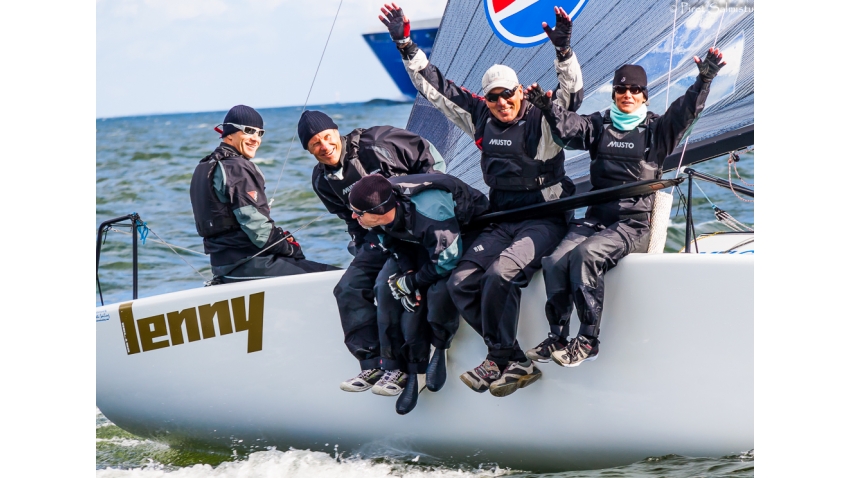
(372, 102)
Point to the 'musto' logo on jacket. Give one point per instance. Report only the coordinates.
(500, 142)
(165, 330)
(621, 144)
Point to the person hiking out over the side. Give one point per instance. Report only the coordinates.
(523, 165)
(342, 161)
(419, 218)
(232, 213)
(627, 143)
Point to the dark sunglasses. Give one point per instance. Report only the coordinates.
(621, 89)
(506, 94)
(249, 130)
(369, 211)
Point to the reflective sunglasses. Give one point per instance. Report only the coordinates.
(506, 94)
(249, 130)
(369, 211)
(621, 89)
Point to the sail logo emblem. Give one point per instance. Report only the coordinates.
(517, 22)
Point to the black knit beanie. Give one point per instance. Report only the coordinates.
(313, 122)
(241, 114)
(371, 191)
(630, 75)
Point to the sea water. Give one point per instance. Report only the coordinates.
(144, 166)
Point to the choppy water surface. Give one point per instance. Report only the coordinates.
(145, 164)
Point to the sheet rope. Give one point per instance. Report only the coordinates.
(316, 74)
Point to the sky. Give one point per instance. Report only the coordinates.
(167, 56)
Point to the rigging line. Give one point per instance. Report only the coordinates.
(178, 255)
(724, 217)
(316, 74)
(718, 28)
(705, 195)
(170, 246)
(672, 42)
(682, 157)
(734, 163)
(731, 186)
(163, 242)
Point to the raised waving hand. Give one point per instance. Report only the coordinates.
(397, 23)
(711, 64)
(562, 33)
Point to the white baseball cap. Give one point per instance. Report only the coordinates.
(499, 76)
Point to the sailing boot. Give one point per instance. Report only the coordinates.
(435, 374)
(409, 396)
(580, 349)
(516, 375)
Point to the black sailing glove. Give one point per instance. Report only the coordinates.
(284, 244)
(710, 65)
(403, 288)
(297, 253)
(396, 22)
(561, 34)
(536, 96)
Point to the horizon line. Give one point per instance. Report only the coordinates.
(137, 115)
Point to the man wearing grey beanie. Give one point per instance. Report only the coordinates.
(232, 213)
(342, 161)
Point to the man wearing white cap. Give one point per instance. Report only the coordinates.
(523, 165)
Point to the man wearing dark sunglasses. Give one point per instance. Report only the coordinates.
(419, 218)
(523, 164)
(232, 213)
(342, 161)
(627, 143)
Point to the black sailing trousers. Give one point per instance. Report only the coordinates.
(355, 299)
(574, 272)
(486, 285)
(262, 267)
(406, 337)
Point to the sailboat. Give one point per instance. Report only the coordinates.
(675, 373)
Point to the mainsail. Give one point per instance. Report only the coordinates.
(606, 35)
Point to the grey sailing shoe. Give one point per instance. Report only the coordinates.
(516, 375)
(391, 384)
(579, 350)
(543, 352)
(480, 378)
(363, 381)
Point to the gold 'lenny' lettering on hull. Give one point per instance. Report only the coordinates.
(174, 328)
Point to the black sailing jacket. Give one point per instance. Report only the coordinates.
(383, 150)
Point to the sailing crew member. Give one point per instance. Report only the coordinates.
(419, 218)
(342, 161)
(523, 165)
(627, 144)
(232, 213)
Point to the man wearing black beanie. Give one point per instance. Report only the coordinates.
(420, 219)
(342, 161)
(232, 213)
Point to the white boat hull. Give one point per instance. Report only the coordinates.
(674, 375)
